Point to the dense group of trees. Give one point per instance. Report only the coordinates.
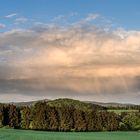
(65, 117)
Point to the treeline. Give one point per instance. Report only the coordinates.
(43, 116)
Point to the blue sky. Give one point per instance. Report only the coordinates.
(122, 13)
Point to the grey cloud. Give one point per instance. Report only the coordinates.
(65, 87)
(2, 25)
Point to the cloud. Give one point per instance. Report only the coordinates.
(21, 20)
(2, 25)
(91, 17)
(58, 18)
(81, 61)
(11, 15)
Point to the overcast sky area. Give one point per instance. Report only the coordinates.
(86, 50)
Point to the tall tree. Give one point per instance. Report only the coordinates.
(13, 116)
(39, 117)
(91, 120)
(25, 117)
(65, 118)
(1, 115)
(79, 121)
(52, 118)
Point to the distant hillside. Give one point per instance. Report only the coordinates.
(74, 103)
(65, 102)
(77, 104)
(30, 103)
(114, 105)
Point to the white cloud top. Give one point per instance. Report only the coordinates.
(11, 15)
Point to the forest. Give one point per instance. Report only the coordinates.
(66, 115)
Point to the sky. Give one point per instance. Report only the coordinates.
(86, 50)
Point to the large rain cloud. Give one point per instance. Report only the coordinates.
(77, 61)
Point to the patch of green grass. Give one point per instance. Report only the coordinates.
(11, 134)
(119, 111)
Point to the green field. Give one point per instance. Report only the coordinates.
(11, 134)
(119, 111)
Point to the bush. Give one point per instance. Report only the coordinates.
(123, 126)
(8, 127)
(132, 121)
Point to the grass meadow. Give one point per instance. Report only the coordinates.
(12, 134)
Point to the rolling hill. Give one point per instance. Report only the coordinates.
(78, 104)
